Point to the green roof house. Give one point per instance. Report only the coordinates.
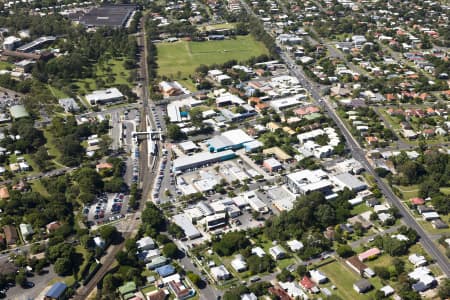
(18, 112)
(127, 290)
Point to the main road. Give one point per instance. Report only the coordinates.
(359, 154)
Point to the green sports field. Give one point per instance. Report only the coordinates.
(182, 58)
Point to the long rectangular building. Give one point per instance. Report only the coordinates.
(201, 159)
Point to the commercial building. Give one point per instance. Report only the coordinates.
(307, 181)
(347, 180)
(285, 103)
(232, 139)
(188, 147)
(272, 165)
(189, 229)
(11, 42)
(115, 16)
(169, 89)
(201, 159)
(254, 202)
(37, 43)
(108, 96)
(215, 221)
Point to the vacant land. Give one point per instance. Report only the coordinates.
(111, 73)
(181, 58)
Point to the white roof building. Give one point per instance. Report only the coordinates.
(110, 95)
(239, 264)
(189, 229)
(294, 290)
(258, 251)
(220, 273)
(277, 252)
(145, 243)
(432, 215)
(419, 273)
(347, 180)
(285, 103)
(254, 201)
(26, 229)
(317, 276)
(387, 290)
(99, 242)
(295, 245)
(250, 296)
(417, 260)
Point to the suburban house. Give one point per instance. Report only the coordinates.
(359, 267)
(362, 286)
(220, 273)
(369, 254)
(277, 252)
(11, 235)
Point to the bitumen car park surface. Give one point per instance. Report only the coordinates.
(107, 208)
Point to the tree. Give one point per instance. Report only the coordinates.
(176, 230)
(444, 289)
(174, 132)
(194, 278)
(21, 279)
(63, 266)
(259, 265)
(285, 275)
(230, 243)
(109, 233)
(302, 270)
(170, 250)
(345, 251)
(325, 215)
(382, 272)
(382, 172)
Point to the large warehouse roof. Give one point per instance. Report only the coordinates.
(108, 16)
(189, 229)
(199, 159)
(229, 138)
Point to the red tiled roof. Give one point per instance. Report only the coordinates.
(417, 201)
(307, 283)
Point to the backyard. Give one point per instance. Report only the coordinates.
(344, 278)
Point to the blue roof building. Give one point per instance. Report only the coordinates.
(56, 291)
(165, 271)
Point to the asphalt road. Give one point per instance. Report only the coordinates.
(359, 154)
